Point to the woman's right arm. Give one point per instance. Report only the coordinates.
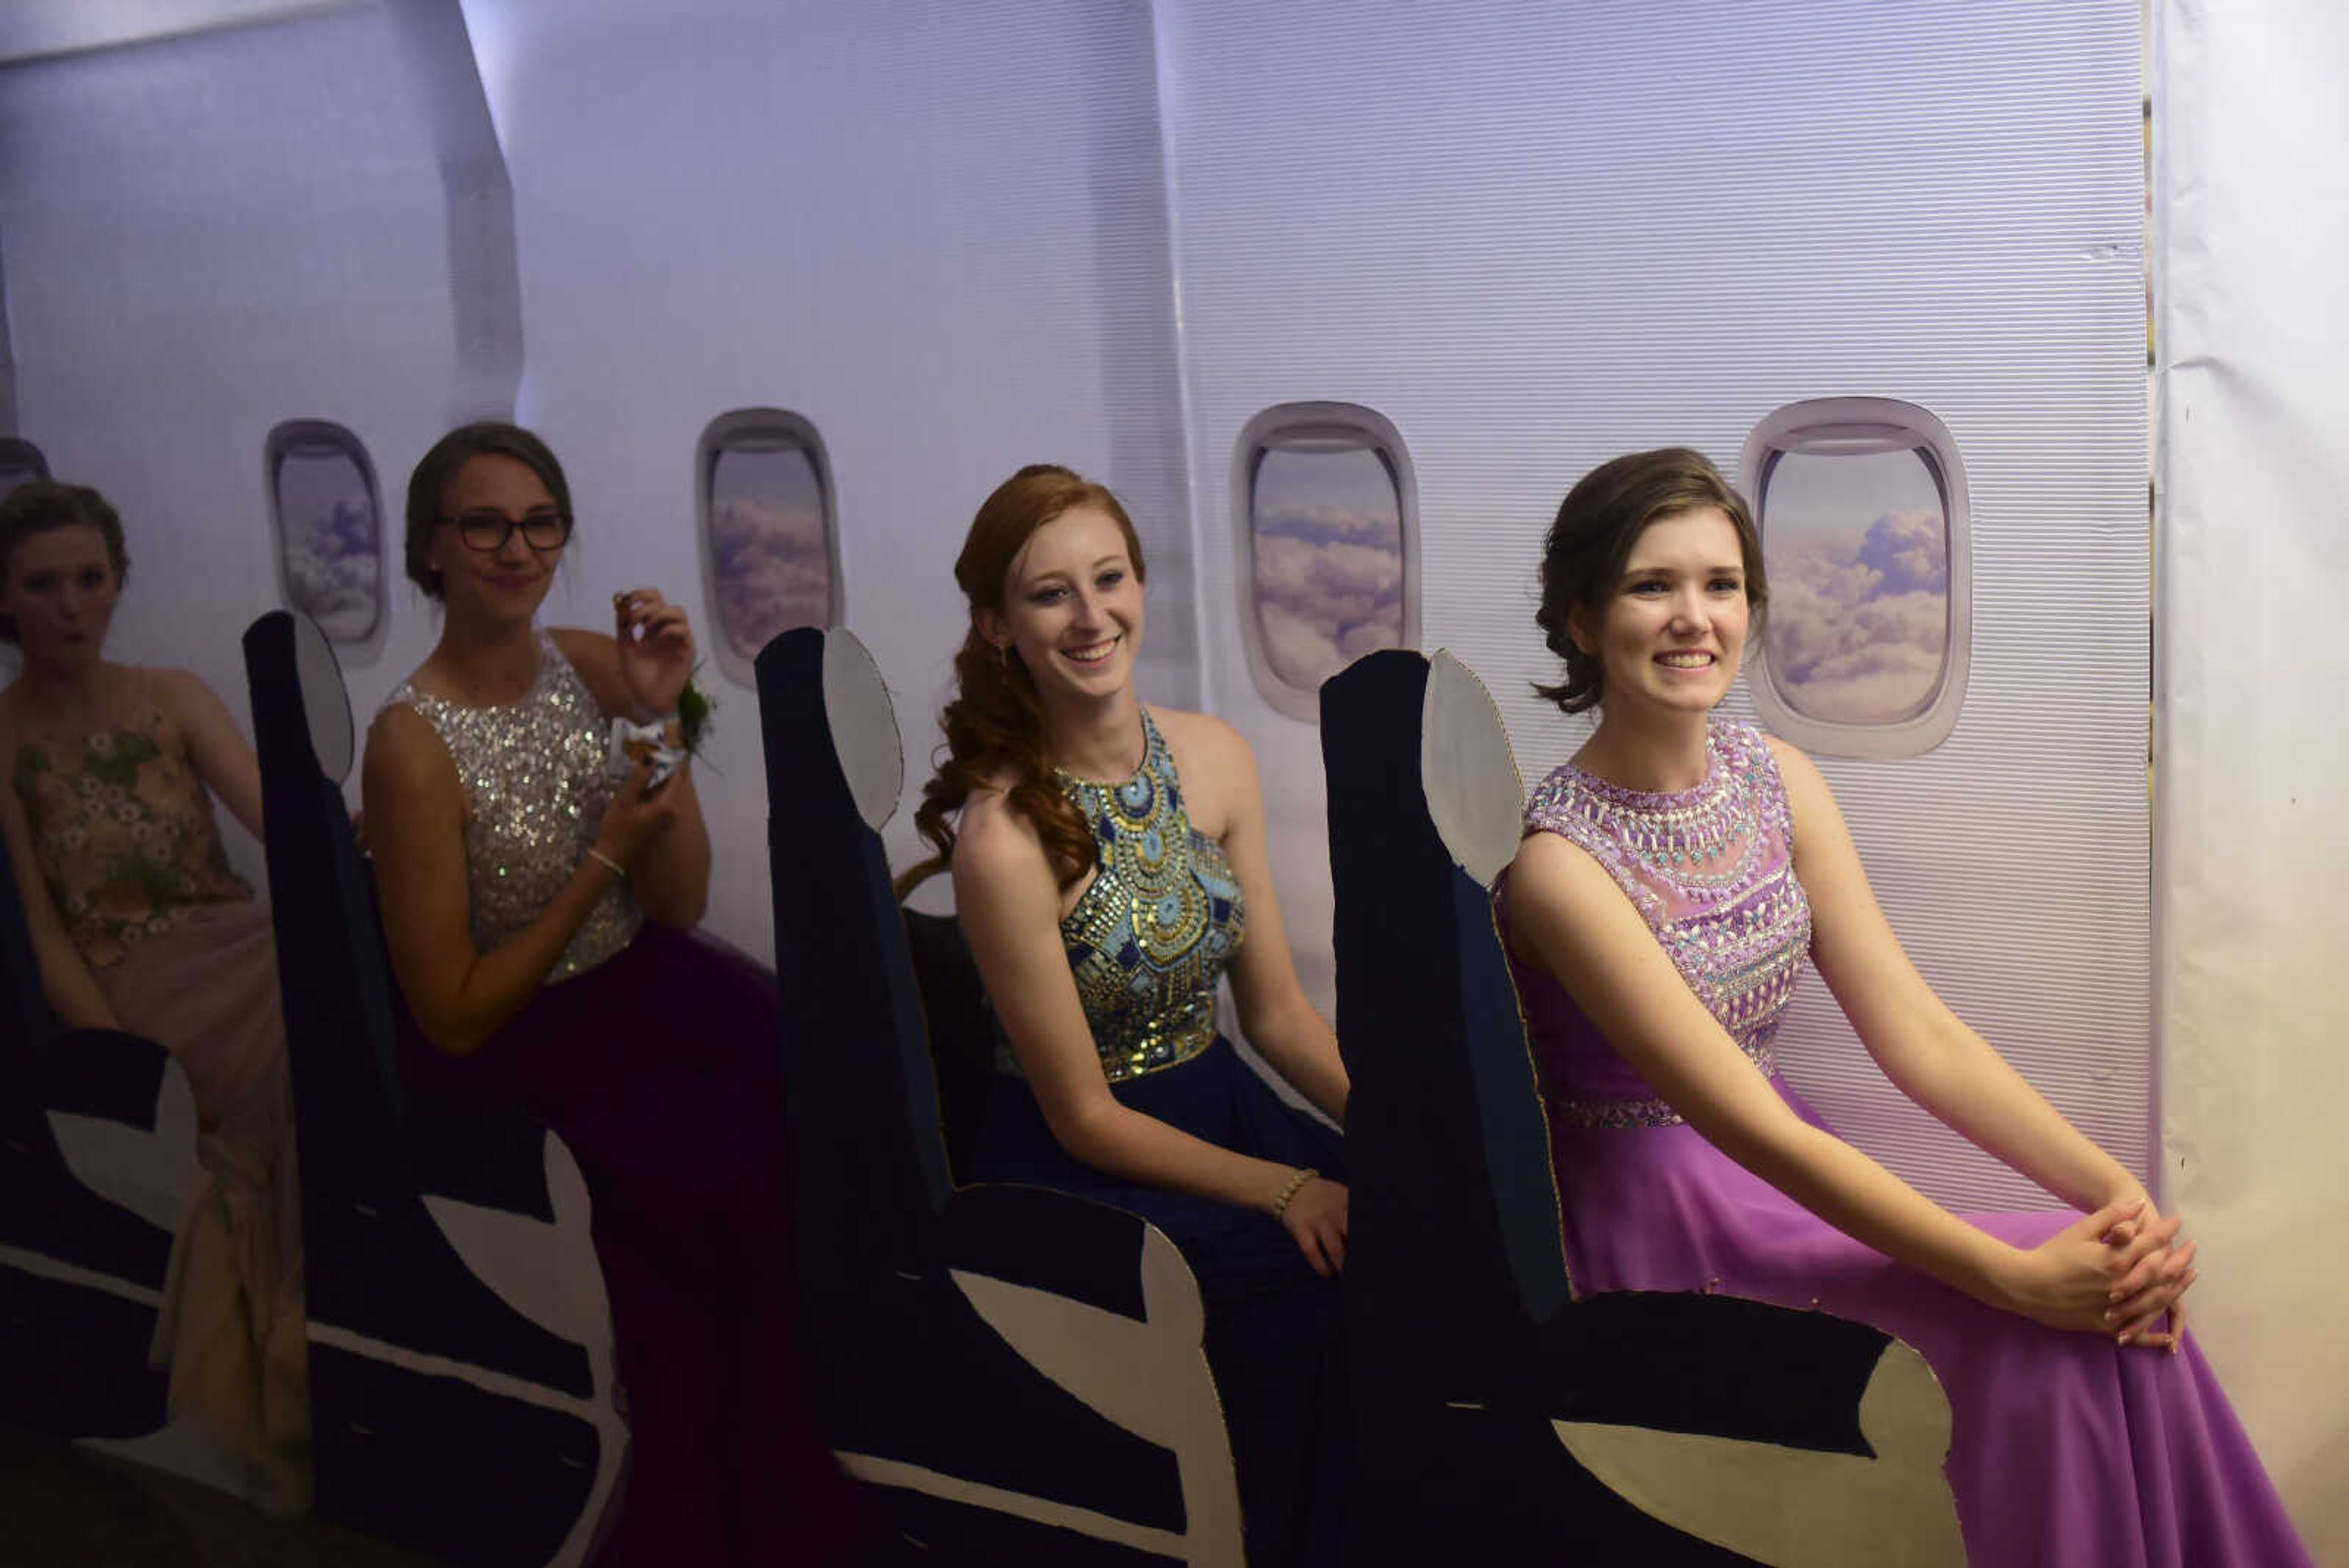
(1566, 915)
(1008, 906)
(415, 808)
(65, 980)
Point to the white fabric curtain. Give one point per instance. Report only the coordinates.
(2251, 840)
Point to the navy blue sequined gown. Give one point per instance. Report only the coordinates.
(1148, 939)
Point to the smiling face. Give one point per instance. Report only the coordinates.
(1671, 632)
(60, 588)
(1071, 608)
(510, 582)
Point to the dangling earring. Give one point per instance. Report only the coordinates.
(1003, 656)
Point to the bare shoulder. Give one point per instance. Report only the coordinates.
(1203, 735)
(182, 694)
(1807, 788)
(1214, 758)
(1548, 864)
(994, 838)
(1559, 906)
(596, 657)
(585, 647)
(404, 752)
(1791, 759)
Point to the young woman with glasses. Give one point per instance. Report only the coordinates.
(538, 908)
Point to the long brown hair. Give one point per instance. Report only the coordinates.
(995, 724)
(1598, 526)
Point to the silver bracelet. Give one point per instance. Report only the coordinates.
(613, 866)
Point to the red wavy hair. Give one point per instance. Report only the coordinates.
(995, 724)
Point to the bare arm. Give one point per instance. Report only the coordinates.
(669, 876)
(1280, 1021)
(1566, 915)
(415, 811)
(223, 758)
(1009, 909)
(65, 979)
(1930, 1054)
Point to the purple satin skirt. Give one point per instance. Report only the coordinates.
(2066, 1448)
(660, 1069)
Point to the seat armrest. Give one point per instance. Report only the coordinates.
(492, 1158)
(1722, 1365)
(108, 1073)
(507, 1196)
(1791, 1438)
(1042, 1239)
(1102, 1304)
(123, 1117)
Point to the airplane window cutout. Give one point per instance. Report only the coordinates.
(1861, 503)
(1328, 545)
(769, 543)
(328, 514)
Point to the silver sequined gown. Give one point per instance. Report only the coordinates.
(654, 1053)
(535, 790)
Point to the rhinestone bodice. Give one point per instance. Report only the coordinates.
(1150, 936)
(1712, 870)
(535, 792)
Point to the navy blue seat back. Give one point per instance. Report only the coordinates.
(1454, 1252)
(962, 1414)
(849, 978)
(73, 1359)
(433, 1460)
(1465, 1340)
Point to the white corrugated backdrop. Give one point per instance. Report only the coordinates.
(2252, 825)
(1536, 237)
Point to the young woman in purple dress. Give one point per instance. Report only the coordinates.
(538, 913)
(1674, 877)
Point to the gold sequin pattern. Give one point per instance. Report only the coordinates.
(1149, 937)
(535, 791)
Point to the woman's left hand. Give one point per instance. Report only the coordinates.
(2155, 1288)
(656, 652)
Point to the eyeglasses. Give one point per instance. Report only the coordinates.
(487, 531)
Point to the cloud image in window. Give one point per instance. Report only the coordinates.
(1326, 535)
(331, 540)
(1859, 623)
(770, 560)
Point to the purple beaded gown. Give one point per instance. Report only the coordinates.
(2065, 1448)
(654, 1055)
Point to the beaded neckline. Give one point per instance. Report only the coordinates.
(1150, 744)
(1673, 832)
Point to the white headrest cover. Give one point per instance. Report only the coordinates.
(863, 727)
(326, 701)
(1469, 770)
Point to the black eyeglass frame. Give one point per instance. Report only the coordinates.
(508, 527)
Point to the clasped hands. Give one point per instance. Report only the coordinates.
(2121, 1270)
